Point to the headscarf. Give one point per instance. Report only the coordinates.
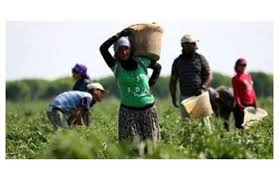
(123, 41)
(81, 69)
(239, 62)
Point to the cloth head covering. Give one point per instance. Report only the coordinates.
(240, 61)
(81, 69)
(123, 41)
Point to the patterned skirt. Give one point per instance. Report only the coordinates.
(138, 123)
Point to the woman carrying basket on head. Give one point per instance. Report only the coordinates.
(137, 115)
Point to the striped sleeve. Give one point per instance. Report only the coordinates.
(205, 69)
(174, 71)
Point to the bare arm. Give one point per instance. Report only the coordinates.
(85, 118)
(156, 73)
(208, 80)
(172, 88)
(206, 74)
(75, 117)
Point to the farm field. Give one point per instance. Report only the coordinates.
(30, 135)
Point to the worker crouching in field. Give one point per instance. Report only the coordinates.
(243, 90)
(73, 107)
(137, 115)
(79, 74)
(222, 103)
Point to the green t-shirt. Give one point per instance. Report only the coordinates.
(133, 85)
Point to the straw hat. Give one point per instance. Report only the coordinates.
(252, 115)
(198, 106)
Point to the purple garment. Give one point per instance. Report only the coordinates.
(81, 69)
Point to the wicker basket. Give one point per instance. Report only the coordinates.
(198, 106)
(146, 40)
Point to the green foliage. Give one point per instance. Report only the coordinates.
(58, 86)
(161, 88)
(27, 128)
(17, 90)
(39, 89)
(36, 89)
(263, 84)
(220, 79)
(110, 84)
(29, 134)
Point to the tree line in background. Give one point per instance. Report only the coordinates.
(40, 89)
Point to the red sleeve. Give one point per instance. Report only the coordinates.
(236, 92)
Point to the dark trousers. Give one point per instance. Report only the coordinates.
(238, 117)
(225, 113)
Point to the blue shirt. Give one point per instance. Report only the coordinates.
(70, 101)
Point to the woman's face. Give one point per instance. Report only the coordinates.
(76, 76)
(241, 68)
(123, 53)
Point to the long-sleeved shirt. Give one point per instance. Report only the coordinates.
(70, 101)
(243, 90)
(81, 85)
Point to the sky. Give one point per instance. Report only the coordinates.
(50, 49)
